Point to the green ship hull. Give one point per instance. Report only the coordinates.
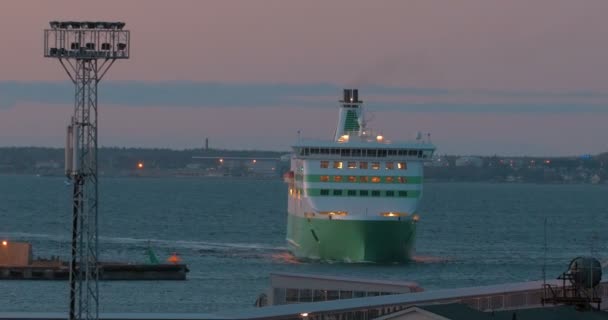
(351, 240)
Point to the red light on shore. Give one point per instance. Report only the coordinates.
(4, 243)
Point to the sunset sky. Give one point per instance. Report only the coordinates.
(483, 77)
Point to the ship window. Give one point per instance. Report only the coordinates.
(390, 193)
(337, 164)
(363, 193)
(373, 294)
(401, 165)
(375, 193)
(403, 194)
(402, 179)
(352, 179)
(390, 166)
(413, 152)
(359, 294)
(382, 153)
(356, 152)
(324, 178)
(345, 152)
(375, 179)
(402, 152)
(388, 179)
(337, 192)
(337, 178)
(363, 165)
(324, 164)
(371, 152)
(324, 192)
(375, 165)
(352, 165)
(335, 151)
(324, 151)
(392, 152)
(363, 179)
(419, 153)
(306, 151)
(351, 192)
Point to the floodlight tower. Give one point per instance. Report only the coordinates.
(86, 50)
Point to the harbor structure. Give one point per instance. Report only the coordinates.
(485, 299)
(355, 198)
(86, 50)
(288, 288)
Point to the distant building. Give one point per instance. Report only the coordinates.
(438, 161)
(469, 162)
(264, 168)
(47, 165)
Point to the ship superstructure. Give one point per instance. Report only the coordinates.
(355, 198)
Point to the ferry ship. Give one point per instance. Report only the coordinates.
(355, 198)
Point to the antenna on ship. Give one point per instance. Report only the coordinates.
(86, 51)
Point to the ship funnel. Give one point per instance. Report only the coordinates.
(350, 119)
(351, 95)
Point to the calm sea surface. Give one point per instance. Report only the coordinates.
(231, 233)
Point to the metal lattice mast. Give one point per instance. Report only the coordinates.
(86, 50)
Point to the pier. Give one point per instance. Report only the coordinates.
(107, 271)
(16, 263)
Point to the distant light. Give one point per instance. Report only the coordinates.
(221, 160)
(254, 161)
(547, 161)
(305, 314)
(4, 243)
(379, 138)
(416, 218)
(140, 165)
(343, 138)
(174, 258)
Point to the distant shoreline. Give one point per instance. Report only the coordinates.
(268, 165)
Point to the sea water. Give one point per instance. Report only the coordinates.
(231, 233)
